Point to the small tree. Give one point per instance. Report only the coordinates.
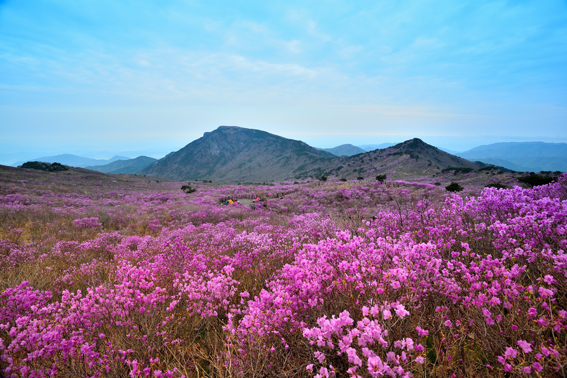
(360, 178)
(454, 187)
(381, 178)
(323, 178)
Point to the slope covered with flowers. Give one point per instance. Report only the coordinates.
(335, 279)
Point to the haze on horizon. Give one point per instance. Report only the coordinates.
(148, 77)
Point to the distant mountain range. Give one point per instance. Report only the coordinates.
(522, 156)
(372, 147)
(129, 166)
(236, 154)
(344, 150)
(74, 160)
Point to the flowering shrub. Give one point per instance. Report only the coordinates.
(87, 223)
(327, 279)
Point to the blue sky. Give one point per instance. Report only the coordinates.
(99, 77)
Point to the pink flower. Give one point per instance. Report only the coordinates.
(375, 366)
(421, 332)
(549, 280)
(320, 356)
(401, 311)
(510, 353)
(526, 347)
(448, 323)
(544, 292)
(408, 343)
(353, 357)
(545, 351)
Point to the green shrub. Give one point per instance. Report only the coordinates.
(534, 179)
(55, 167)
(381, 178)
(454, 187)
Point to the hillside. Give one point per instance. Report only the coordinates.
(130, 166)
(528, 156)
(344, 150)
(410, 159)
(236, 154)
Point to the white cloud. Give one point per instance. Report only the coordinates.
(293, 46)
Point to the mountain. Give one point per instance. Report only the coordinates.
(410, 159)
(372, 147)
(504, 163)
(130, 166)
(237, 154)
(74, 160)
(529, 156)
(344, 150)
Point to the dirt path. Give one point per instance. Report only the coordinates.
(246, 202)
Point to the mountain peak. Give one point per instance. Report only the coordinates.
(230, 129)
(233, 153)
(414, 143)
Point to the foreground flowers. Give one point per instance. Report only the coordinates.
(361, 280)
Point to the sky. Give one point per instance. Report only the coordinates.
(104, 77)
